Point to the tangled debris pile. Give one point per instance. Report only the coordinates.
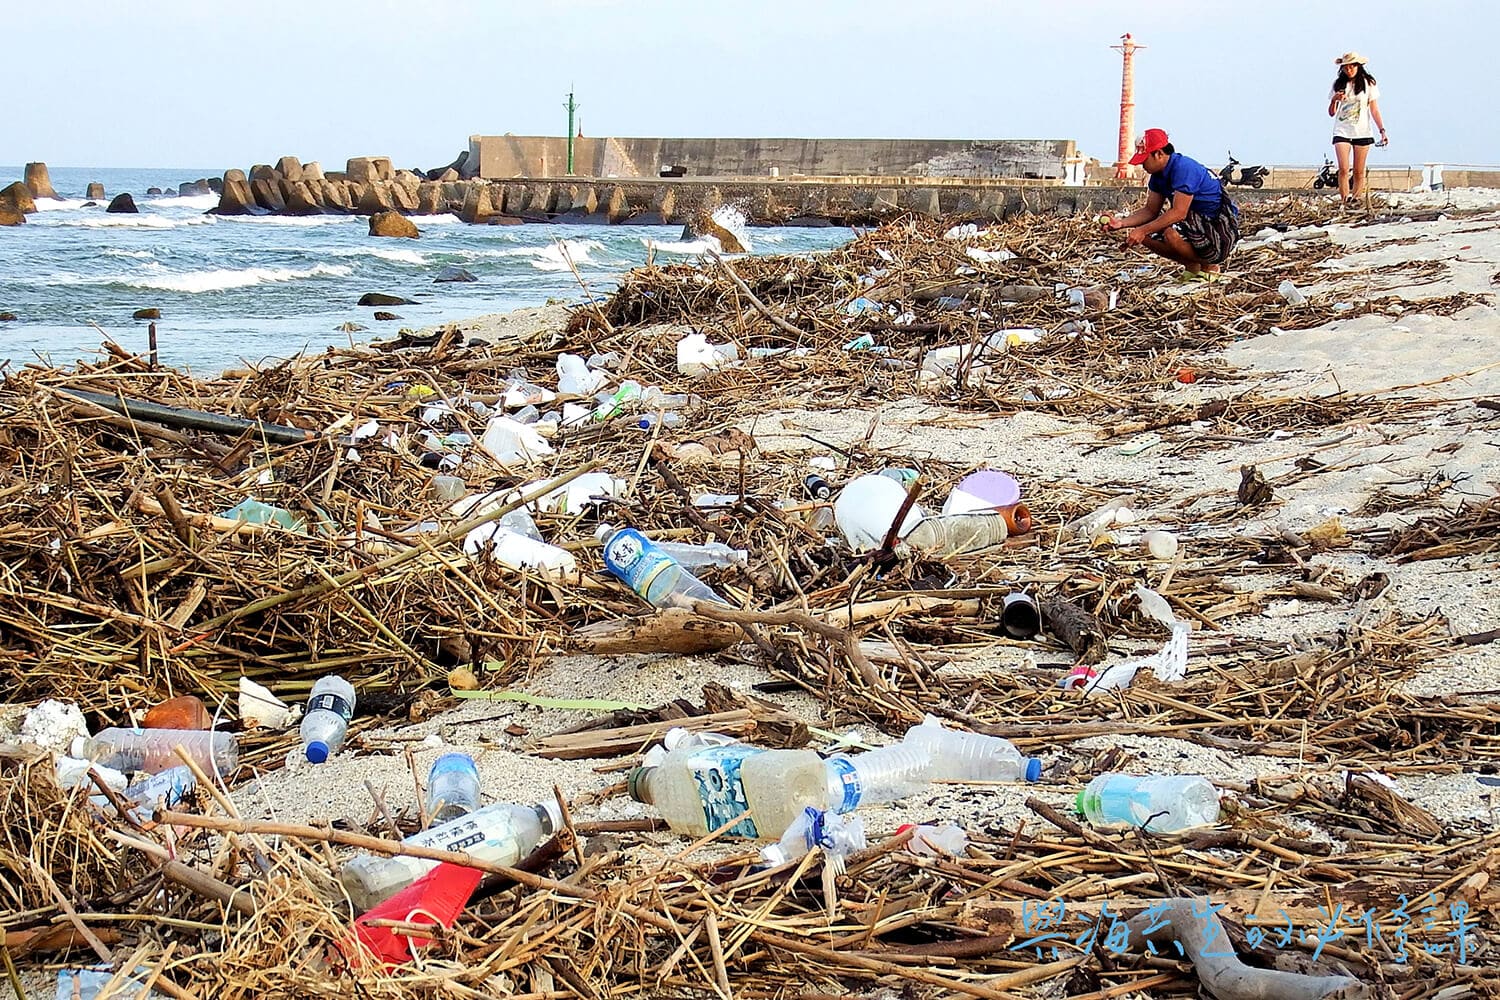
(428, 518)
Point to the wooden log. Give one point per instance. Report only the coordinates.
(674, 630)
(1075, 627)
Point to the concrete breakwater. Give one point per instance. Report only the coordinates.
(369, 185)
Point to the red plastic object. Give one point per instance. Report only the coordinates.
(439, 896)
(1186, 376)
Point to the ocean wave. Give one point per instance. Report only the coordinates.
(200, 202)
(125, 220)
(61, 204)
(688, 247)
(288, 220)
(553, 256)
(394, 255)
(224, 278)
(135, 254)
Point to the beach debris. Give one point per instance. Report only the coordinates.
(1253, 490)
(259, 707)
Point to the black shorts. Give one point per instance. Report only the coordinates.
(1368, 140)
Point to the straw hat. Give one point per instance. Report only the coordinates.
(1351, 57)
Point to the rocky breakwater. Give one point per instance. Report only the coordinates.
(368, 185)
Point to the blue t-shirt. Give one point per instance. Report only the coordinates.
(1189, 177)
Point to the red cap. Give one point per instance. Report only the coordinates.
(1153, 140)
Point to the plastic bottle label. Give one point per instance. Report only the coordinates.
(330, 702)
(716, 771)
(848, 778)
(496, 834)
(631, 557)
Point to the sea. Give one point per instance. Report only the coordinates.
(237, 291)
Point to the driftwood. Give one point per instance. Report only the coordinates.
(1220, 971)
(674, 630)
(1074, 626)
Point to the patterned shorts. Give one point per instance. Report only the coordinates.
(1212, 239)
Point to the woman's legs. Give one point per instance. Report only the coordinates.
(1341, 153)
(1361, 154)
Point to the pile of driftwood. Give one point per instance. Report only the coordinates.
(128, 578)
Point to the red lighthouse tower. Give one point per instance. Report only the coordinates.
(1126, 48)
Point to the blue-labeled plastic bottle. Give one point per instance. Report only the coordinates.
(326, 721)
(656, 576)
(1160, 803)
(452, 787)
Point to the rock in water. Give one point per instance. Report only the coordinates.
(386, 316)
(95, 192)
(146, 314)
(123, 203)
(703, 224)
(454, 273)
(7, 317)
(39, 181)
(393, 224)
(17, 198)
(382, 299)
(10, 217)
(152, 192)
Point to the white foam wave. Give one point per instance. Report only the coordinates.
(148, 220)
(197, 202)
(136, 254)
(289, 220)
(689, 247)
(446, 219)
(61, 204)
(395, 256)
(734, 218)
(224, 278)
(554, 256)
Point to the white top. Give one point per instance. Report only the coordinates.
(1352, 118)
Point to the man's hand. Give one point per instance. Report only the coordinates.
(1136, 237)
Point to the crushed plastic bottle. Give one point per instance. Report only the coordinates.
(751, 791)
(163, 790)
(711, 555)
(452, 787)
(519, 552)
(575, 378)
(839, 836)
(612, 404)
(956, 534)
(653, 574)
(935, 841)
(1160, 804)
(501, 834)
(154, 750)
(325, 723)
(963, 756)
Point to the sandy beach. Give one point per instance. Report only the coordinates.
(1414, 444)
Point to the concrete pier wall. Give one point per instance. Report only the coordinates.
(509, 156)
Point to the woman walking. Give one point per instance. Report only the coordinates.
(1354, 106)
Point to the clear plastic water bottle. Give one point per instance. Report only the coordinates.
(667, 418)
(501, 834)
(653, 574)
(154, 750)
(163, 790)
(1161, 804)
(452, 787)
(712, 555)
(698, 789)
(953, 534)
(326, 721)
(965, 756)
(877, 776)
(839, 836)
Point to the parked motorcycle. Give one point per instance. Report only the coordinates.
(1328, 177)
(1235, 174)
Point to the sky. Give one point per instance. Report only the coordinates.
(211, 84)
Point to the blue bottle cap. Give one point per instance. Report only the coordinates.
(1033, 769)
(317, 751)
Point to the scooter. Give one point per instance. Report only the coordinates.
(1328, 177)
(1233, 173)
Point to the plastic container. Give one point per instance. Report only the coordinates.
(668, 418)
(519, 552)
(163, 790)
(153, 750)
(817, 487)
(867, 507)
(252, 511)
(501, 834)
(986, 490)
(953, 534)
(934, 841)
(510, 441)
(1020, 618)
(575, 378)
(447, 489)
(695, 355)
(452, 787)
(1160, 804)
(878, 776)
(698, 789)
(713, 555)
(964, 756)
(653, 574)
(1291, 293)
(326, 720)
(1161, 545)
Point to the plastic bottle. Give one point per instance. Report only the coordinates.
(575, 378)
(708, 556)
(519, 552)
(653, 398)
(655, 576)
(501, 834)
(668, 418)
(839, 836)
(163, 790)
(452, 787)
(817, 487)
(1291, 293)
(326, 720)
(877, 776)
(951, 534)
(153, 750)
(617, 402)
(698, 789)
(965, 756)
(447, 488)
(866, 508)
(1163, 804)
(905, 476)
